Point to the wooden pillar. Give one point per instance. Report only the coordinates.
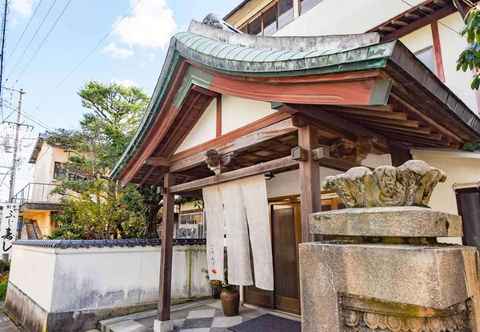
(165, 287)
(309, 173)
(437, 51)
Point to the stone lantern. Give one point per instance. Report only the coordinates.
(377, 265)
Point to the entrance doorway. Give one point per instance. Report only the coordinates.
(286, 235)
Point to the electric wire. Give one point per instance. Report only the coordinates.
(93, 50)
(44, 40)
(26, 27)
(27, 47)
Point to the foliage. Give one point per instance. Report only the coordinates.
(4, 266)
(472, 147)
(3, 286)
(95, 207)
(469, 59)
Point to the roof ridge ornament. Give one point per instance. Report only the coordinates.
(214, 21)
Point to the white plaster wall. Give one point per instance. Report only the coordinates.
(419, 39)
(452, 45)
(238, 112)
(32, 271)
(204, 130)
(344, 17)
(65, 280)
(460, 167)
(43, 168)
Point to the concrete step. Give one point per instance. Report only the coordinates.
(127, 323)
(127, 326)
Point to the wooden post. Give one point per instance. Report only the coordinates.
(165, 288)
(309, 171)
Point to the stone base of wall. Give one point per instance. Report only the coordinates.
(29, 315)
(24, 311)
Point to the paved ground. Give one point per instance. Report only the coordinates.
(6, 325)
(205, 317)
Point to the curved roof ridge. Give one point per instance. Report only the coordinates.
(291, 43)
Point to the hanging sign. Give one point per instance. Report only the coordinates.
(8, 226)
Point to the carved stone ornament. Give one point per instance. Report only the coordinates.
(410, 184)
(358, 321)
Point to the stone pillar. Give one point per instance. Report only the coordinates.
(380, 268)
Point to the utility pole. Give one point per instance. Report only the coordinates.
(15, 147)
(2, 55)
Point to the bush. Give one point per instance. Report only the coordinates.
(3, 286)
(4, 266)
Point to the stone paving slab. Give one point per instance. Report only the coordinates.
(6, 324)
(203, 317)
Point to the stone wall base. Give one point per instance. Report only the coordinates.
(29, 315)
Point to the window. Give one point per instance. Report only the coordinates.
(190, 226)
(255, 26)
(59, 171)
(306, 5)
(271, 19)
(427, 57)
(285, 12)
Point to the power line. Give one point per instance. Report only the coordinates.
(2, 59)
(33, 38)
(93, 50)
(44, 40)
(26, 27)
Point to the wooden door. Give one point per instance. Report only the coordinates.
(468, 203)
(286, 235)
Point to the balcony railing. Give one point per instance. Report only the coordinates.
(37, 193)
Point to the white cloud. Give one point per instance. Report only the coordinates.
(117, 52)
(22, 7)
(151, 24)
(126, 83)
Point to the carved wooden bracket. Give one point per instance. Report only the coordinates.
(216, 162)
(352, 151)
(299, 154)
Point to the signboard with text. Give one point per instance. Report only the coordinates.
(8, 226)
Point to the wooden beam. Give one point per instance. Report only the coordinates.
(268, 166)
(461, 7)
(425, 118)
(397, 122)
(327, 116)
(322, 156)
(418, 23)
(165, 287)
(146, 176)
(218, 127)
(309, 175)
(157, 161)
(437, 49)
(236, 144)
(372, 114)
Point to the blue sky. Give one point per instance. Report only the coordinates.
(132, 54)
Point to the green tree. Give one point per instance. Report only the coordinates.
(94, 205)
(469, 59)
